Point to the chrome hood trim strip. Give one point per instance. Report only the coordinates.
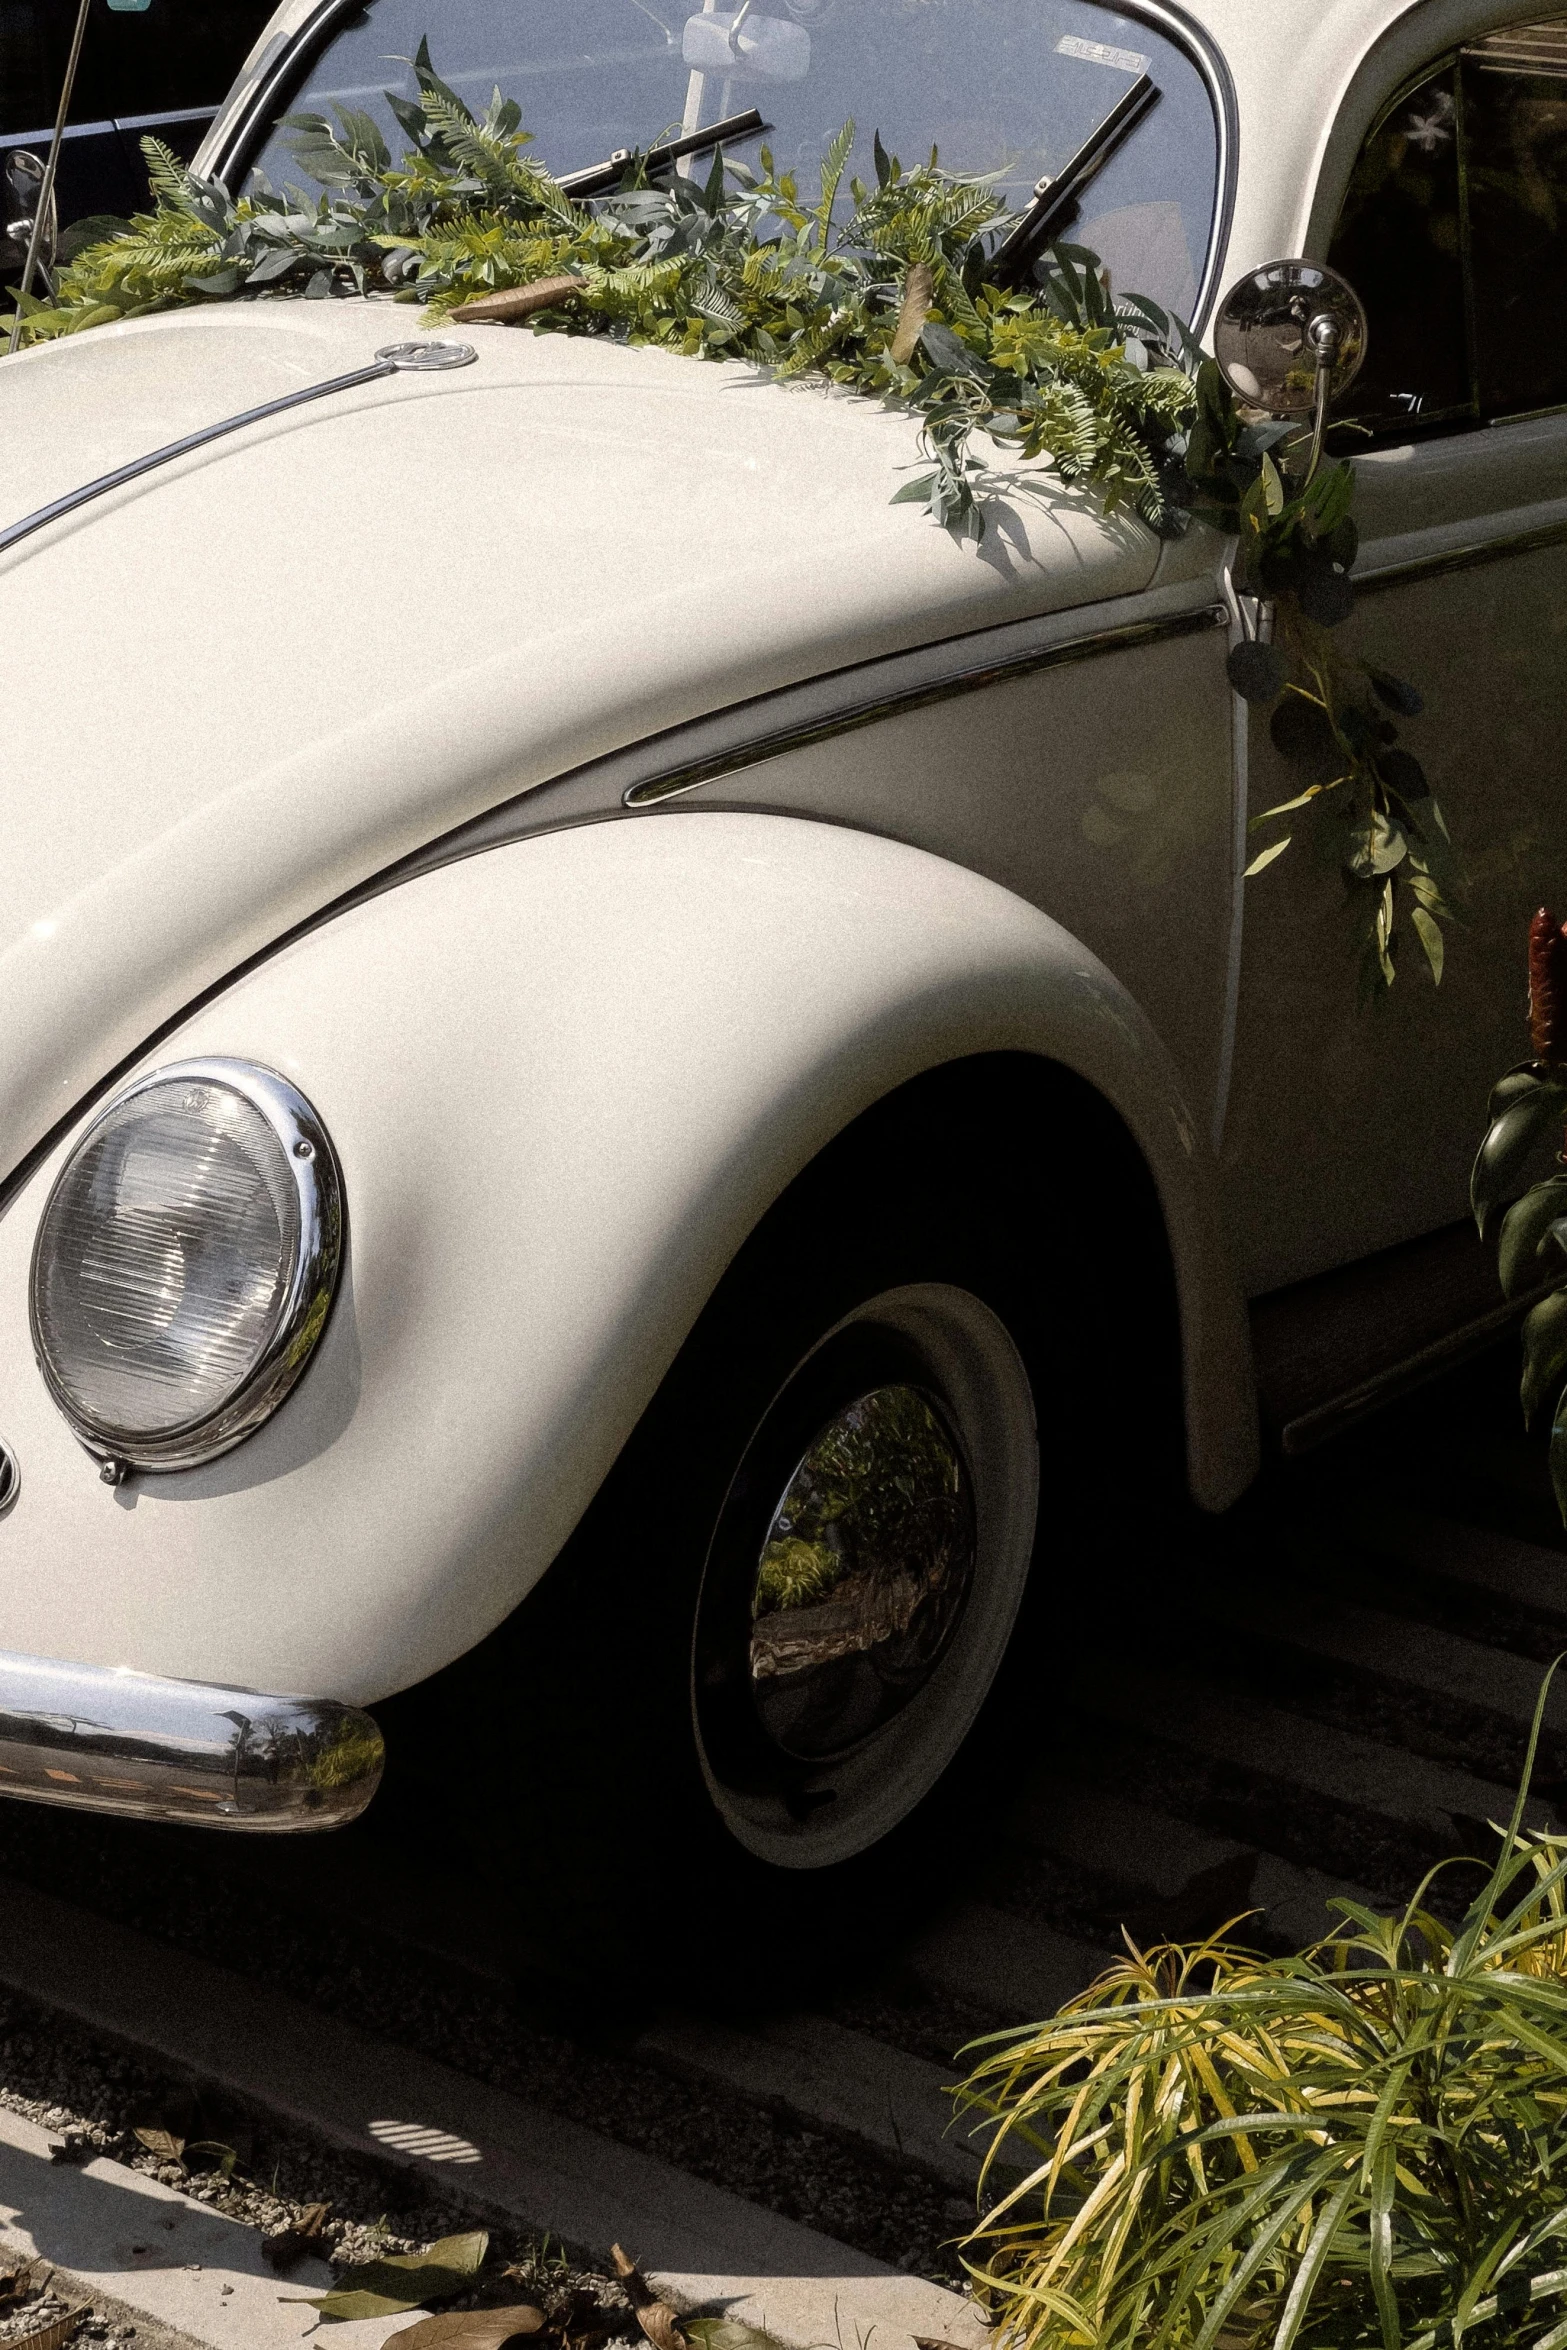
(395, 359)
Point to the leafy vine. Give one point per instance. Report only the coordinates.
(893, 296)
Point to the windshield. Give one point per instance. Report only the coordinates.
(1011, 87)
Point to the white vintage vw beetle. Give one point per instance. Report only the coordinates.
(589, 1002)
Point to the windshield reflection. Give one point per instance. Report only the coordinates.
(1003, 87)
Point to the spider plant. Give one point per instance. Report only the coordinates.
(1362, 2144)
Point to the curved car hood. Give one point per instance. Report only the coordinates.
(247, 682)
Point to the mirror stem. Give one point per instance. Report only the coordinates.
(46, 192)
(1324, 337)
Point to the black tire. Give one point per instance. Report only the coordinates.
(599, 1832)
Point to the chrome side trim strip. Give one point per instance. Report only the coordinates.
(392, 361)
(1341, 1412)
(770, 744)
(99, 1738)
(1470, 558)
(593, 793)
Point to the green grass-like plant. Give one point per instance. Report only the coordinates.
(1361, 2145)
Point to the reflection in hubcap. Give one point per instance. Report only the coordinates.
(863, 1575)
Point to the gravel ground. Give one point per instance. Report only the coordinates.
(52, 2294)
(181, 1890)
(98, 2097)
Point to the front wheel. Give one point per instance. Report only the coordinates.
(763, 1697)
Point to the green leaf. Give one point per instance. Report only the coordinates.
(403, 2280)
(1515, 1140)
(1272, 486)
(1377, 845)
(1384, 2186)
(1526, 1253)
(1429, 933)
(1544, 1355)
(1258, 863)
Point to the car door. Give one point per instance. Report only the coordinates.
(1351, 1124)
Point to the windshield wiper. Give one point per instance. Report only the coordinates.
(1054, 198)
(600, 177)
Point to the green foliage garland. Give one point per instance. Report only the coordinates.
(1333, 718)
(893, 300)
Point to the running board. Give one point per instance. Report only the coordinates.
(1333, 1350)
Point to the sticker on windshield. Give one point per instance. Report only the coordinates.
(1100, 53)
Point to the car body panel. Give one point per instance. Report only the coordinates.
(623, 540)
(570, 1053)
(564, 1080)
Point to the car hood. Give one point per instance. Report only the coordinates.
(255, 677)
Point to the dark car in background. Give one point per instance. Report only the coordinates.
(161, 68)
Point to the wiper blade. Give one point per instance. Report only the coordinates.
(1054, 198)
(600, 177)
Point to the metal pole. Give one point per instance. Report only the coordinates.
(46, 192)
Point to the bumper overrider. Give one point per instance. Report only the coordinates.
(103, 1738)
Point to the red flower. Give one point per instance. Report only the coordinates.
(1548, 987)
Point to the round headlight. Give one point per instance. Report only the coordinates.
(186, 1262)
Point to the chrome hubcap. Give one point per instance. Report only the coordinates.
(863, 1576)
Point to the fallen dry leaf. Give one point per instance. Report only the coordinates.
(163, 2144)
(52, 2336)
(658, 2321)
(404, 2280)
(732, 2333)
(286, 2247)
(918, 294)
(521, 301)
(18, 2282)
(474, 2329)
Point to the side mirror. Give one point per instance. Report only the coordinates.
(22, 180)
(1289, 339)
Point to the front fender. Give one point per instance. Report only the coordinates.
(565, 1078)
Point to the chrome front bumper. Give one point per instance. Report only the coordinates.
(106, 1739)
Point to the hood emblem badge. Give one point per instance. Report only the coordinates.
(393, 359)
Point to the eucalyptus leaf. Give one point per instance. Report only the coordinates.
(274, 265)
(1429, 933)
(1257, 672)
(1259, 864)
(1523, 1260)
(1512, 1145)
(1377, 845)
(1405, 699)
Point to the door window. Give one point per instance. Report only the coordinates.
(1454, 234)
(175, 54)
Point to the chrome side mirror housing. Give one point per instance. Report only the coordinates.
(23, 178)
(1283, 329)
(1289, 339)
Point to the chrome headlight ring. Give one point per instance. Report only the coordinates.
(186, 1262)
